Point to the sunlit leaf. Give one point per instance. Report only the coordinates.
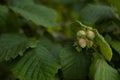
(103, 46)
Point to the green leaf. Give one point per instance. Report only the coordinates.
(20, 2)
(8, 20)
(66, 1)
(38, 14)
(115, 45)
(94, 13)
(36, 64)
(54, 48)
(74, 64)
(115, 3)
(3, 11)
(103, 46)
(12, 45)
(3, 17)
(100, 70)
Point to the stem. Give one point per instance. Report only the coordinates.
(81, 24)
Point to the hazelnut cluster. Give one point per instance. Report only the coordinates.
(85, 38)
